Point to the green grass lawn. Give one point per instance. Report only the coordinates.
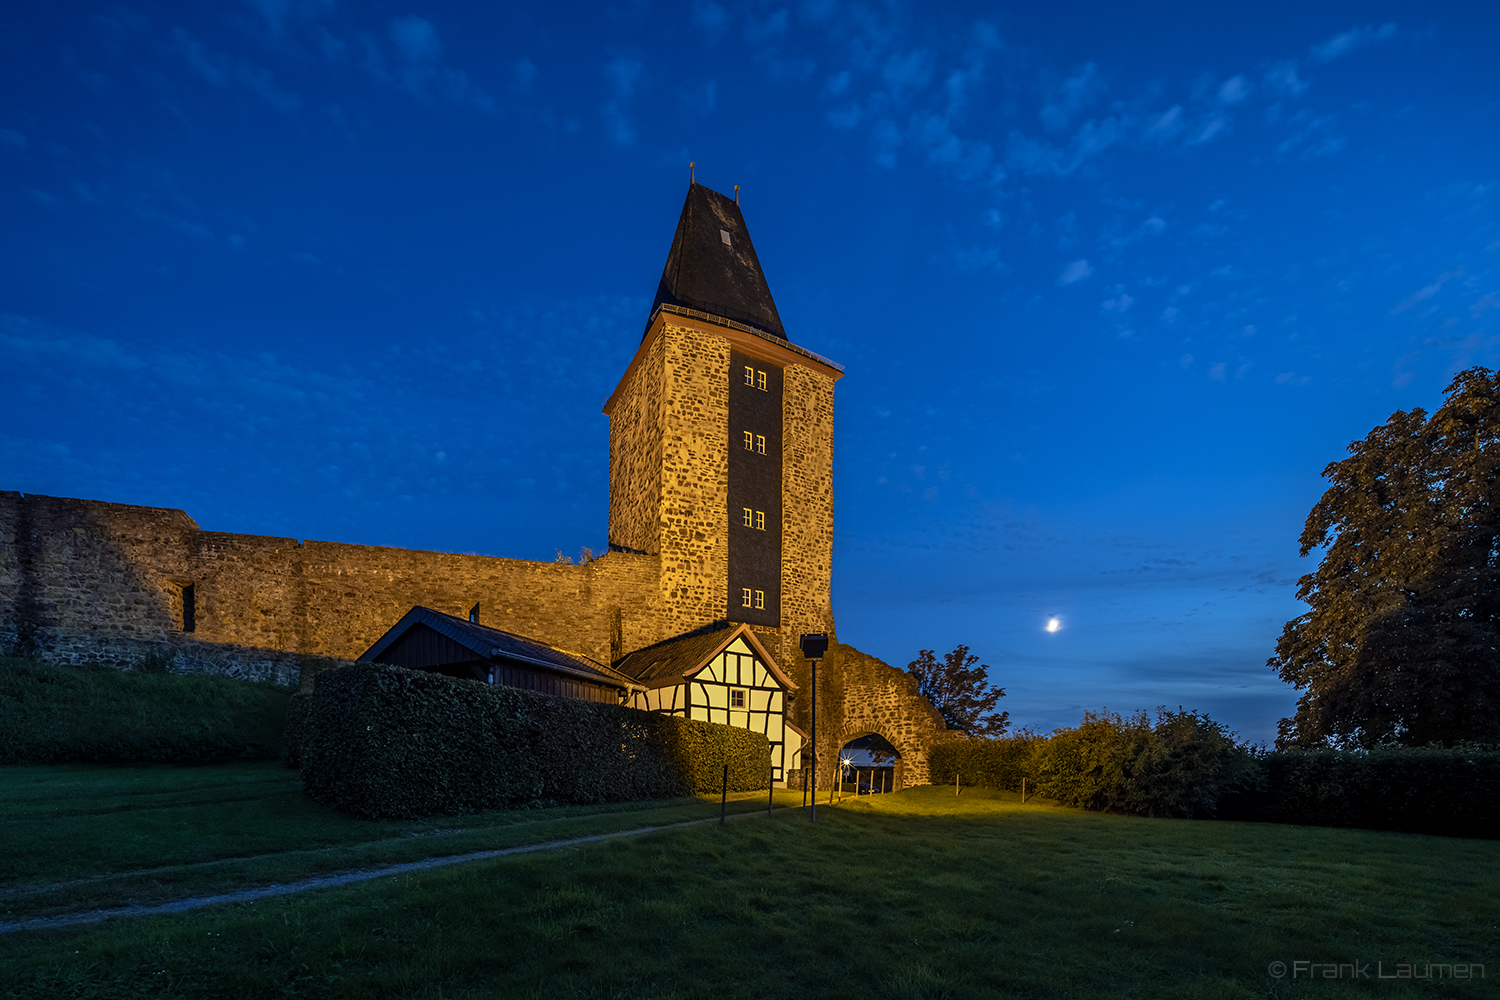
(78, 837)
(914, 895)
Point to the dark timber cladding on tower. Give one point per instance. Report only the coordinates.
(754, 491)
(712, 267)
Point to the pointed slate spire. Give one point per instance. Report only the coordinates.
(712, 265)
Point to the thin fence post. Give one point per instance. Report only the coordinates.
(771, 791)
(724, 795)
(956, 792)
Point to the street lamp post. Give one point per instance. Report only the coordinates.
(814, 647)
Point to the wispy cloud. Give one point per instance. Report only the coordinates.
(624, 76)
(1428, 291)
(225, 70)
(1347, 41)
(1075, 272)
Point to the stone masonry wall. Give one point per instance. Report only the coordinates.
(636, 432)
(807, 510)
(89, 581)
(695, 477)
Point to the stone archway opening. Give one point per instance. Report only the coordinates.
(868, 766)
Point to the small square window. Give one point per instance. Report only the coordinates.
(760, 519)
(746, 600)
(760, 381)
(749, 517)
(737, 698)
(749, 441)
(724, 235)
(760, 600)
(760, 444)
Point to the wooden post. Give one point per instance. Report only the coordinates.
(956, 792)
(1023, 791)
(724, 795)
(771, 790)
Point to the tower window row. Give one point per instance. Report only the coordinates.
(755, 519)
(755, 378)
(753, 599)
(755, 442)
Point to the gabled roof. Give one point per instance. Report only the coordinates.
(496, 644)
(673, 660)
(707, 273)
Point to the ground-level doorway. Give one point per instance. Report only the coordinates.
(868, 766)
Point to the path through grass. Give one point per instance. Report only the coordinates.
(914, 895)
(78, 837)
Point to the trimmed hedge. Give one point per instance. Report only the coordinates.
(54, 713)
(1453, 791)
(379, 742)
(986, 763)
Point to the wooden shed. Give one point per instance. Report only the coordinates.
(425, 639)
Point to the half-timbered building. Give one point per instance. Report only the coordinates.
(724, 676)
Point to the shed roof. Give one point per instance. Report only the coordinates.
(496, 644)
(712, 265)
(674, 659)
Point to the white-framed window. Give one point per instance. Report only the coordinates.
(760, 600)
(749, 375)
(737, 698)
(749, 441)
(724, 235)
(760, 444)
(747, 600)
(749, 517)
(760, 381)
(760, 520)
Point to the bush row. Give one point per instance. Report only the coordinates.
(1183, 764)
(54, 713)
(1180, 765)
(378, 741)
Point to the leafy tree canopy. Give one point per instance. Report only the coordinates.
(1402, 640)
(960, 691)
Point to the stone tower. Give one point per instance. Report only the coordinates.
(721, 444)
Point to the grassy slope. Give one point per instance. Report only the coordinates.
(911, 895)
(58, 713)
(77, 837)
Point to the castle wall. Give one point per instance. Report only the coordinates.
(89, 581)
(695, 477)
(807, 511)
(636, 433)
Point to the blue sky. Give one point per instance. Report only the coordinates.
(1112, 282)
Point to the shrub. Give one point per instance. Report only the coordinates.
(986, 763)
(1441, 790)
(56, 713)
(1181, 765)
(378, 741)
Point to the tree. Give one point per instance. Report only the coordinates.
(1402, 639)
(960, 691)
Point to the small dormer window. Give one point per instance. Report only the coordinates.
(724, 235)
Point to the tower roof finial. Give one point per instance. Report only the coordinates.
(692, 173)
